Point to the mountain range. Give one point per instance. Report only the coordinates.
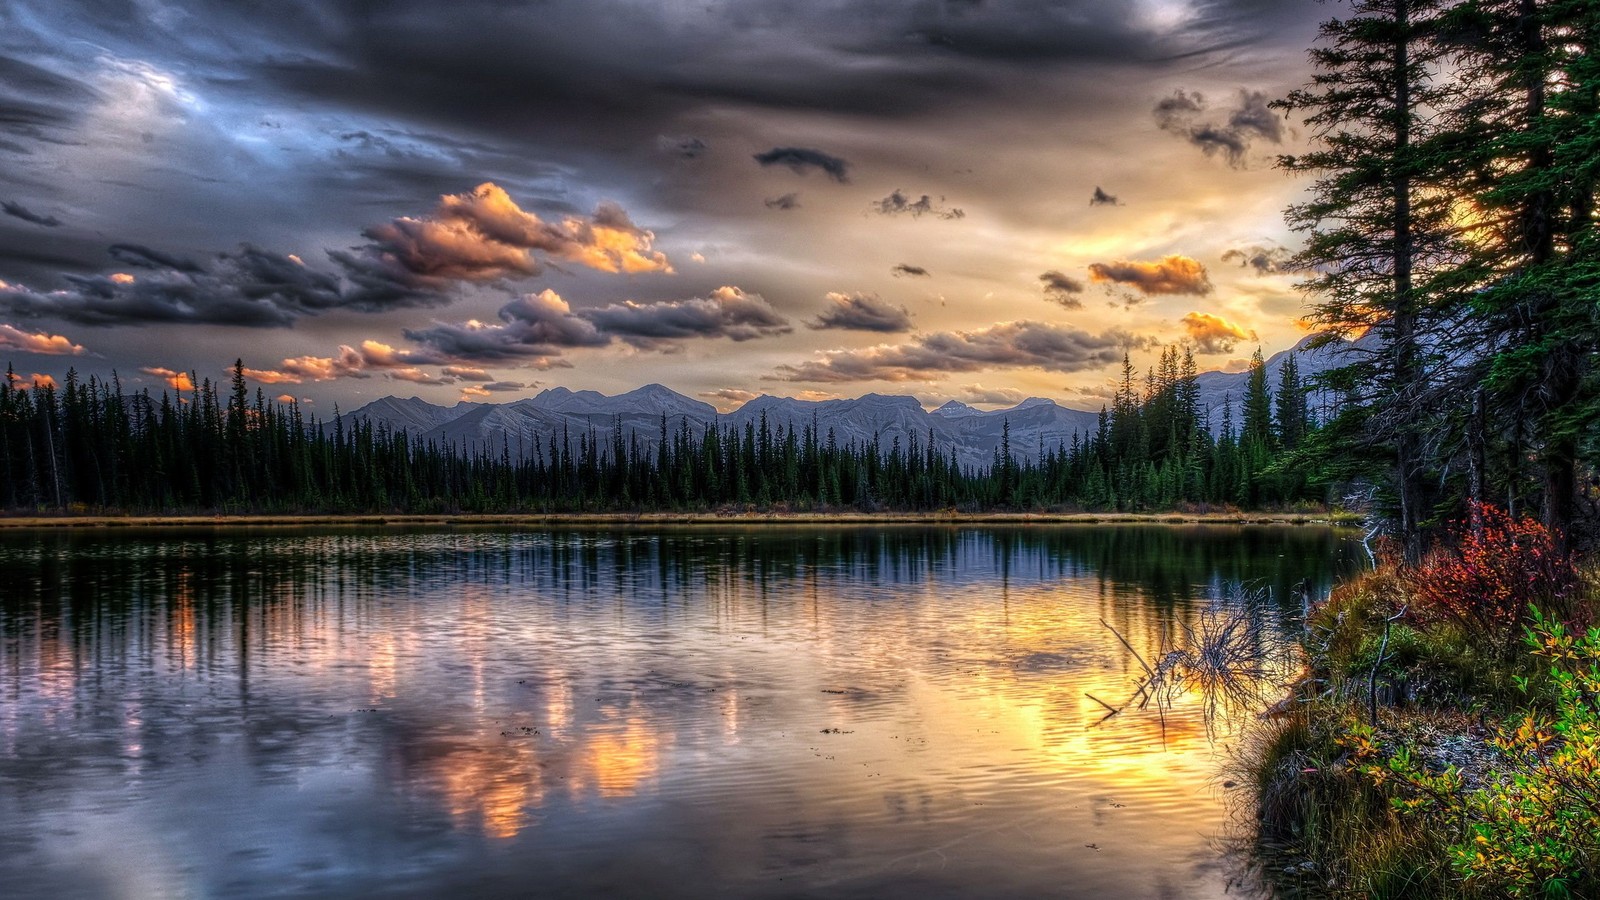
(974, 434)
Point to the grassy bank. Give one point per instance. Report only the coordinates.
(1445, 738)
(721, 518)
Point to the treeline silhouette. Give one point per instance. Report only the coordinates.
(89, 446)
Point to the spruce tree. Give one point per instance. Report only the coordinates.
(1379, 222)
(1529, 127)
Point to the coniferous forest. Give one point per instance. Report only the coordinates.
(90, 446)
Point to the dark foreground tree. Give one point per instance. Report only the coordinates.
(1378, 225)
(1528, 153)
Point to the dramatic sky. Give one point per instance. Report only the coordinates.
(958, 199)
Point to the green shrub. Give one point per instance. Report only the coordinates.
(1323, 828)
(1532, 829)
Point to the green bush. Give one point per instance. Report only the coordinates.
(1532, 829)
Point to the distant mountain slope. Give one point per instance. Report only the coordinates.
(973, 434)
(414, 414)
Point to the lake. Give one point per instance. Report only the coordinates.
(768, 712)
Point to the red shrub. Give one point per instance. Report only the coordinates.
(1492, 576)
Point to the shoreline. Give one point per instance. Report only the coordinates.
(662, 519)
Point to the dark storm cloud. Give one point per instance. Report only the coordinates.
(575, 78)
(1174, 113)
(249, 287)
(1062, 288)
(575, 61)
(898, 203)
(1041, 31)
(683, 146)
(1263, 259)
(862, 312)
(19, 211)
(1212, 139)
(803, 159)
(37, 104)
(375, 283)
(477, 237)
(785, 202)
(142, 257)
(728, 313)
(37, 256)
(1167, 275)
(1101, 198)
(540, 326)
(1230, 132)
(1009, 345)
(391, 168)
(531, 326)
(1252, 116)
(909, 270)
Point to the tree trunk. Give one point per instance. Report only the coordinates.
(1408, 462)
(1477, 427)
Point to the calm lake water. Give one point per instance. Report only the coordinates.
(767, 712)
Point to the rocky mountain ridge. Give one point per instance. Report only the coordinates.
(974, 434)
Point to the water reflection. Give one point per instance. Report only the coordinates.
(840, 712)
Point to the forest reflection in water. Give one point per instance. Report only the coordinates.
(696, 712)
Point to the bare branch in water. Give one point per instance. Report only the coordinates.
(1220, 656)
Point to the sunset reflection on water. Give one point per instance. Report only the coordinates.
(840, 712)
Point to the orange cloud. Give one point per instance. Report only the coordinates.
(178, 381)
(33, 381)
(1214, 334)
(1168, 275)
(484, 235)
(13, 338)
(729, 399)
(350, 362)
(270, 376)
(468, 373)
(382, 356)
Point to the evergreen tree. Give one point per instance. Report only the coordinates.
(1379, 223)
(1292, 418)
(1528, 130)
(1257, 427)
